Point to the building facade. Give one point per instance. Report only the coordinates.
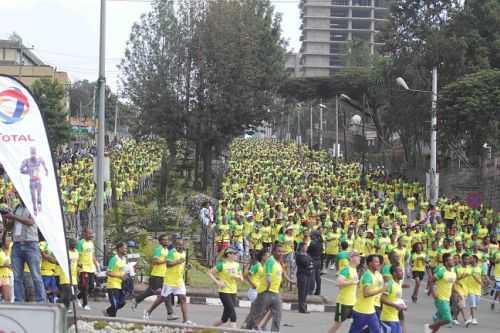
(330, 26)
(20, 62)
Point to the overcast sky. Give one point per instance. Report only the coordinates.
(65, 33)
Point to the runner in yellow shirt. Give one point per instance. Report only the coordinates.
(392, 302)
(226, 274)
(418, 260)
(173, 281)
(5, 266)
(474, 282)
(87, 264)
(117, 272)
(371, 285)
(68, 288)
(444, 278)
(155, 283)
(347, 281)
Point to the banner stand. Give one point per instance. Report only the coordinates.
(15, 109)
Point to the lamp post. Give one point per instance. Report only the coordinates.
(362, 181)
(433, 175)
(488, 147)
(321, 107)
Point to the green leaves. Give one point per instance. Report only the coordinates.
(50, 96)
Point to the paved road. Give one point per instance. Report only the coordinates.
(293, 322)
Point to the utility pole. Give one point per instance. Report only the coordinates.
(311, 118)
(299, 135)
(116, 117)
(320, 128)
(433, 175)
(337, 126)
(99, 232)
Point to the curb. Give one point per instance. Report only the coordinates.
(246, 304)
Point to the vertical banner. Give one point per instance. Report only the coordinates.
(27, 160)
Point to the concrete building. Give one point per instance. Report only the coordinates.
(329, 26)
(20, 62)
(292, 65)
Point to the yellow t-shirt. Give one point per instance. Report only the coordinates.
(159, 269)
(394, 293)
(116, 265)
(87, 253)
(496, 260)
(444, 282)
(347, 294)
(366, 305)
(4, 261)
(418, 262)
(174, 275)
(274, 270)
(332, 243)
(474, 287)
(257, 276)
(73, 258)
(228, 272)
(47, 268)
(460, 284)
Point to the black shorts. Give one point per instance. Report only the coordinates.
(343, 312)
(419, 275)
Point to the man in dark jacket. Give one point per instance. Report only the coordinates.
(315, 250)
(305, 267)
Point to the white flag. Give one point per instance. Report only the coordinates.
(26, 157)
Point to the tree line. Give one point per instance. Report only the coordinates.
(199, 73)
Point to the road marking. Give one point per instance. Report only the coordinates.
(329, 280)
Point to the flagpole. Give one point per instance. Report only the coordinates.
(99, 226)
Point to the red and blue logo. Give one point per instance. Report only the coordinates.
(14, 106)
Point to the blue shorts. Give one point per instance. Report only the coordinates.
(497, 285)
(391, 327)
(473, 300)
(360, 320)
(50, 283)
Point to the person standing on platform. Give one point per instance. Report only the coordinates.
(305, 268)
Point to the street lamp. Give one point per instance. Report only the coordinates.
(487, 146)
(357, 119)
(321, 107)
(433, 175)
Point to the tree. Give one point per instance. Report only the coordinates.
(50, 96)
(82, 94)
(240, 65)
(469, 112)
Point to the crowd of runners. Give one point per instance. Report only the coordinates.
(376, 237)
(287, 215)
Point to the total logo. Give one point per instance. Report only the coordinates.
(14, 106)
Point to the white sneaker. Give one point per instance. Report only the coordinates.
(332, 268)
(189, 322)
(474, 321)
(427, 329)
(78, 303)
(86, 307)
(468, 322)
(146, 315)
(456, 322)
(70, 311)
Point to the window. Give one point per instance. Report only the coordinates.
(361, 12)
(337, 61)
(363, 24)
(359, 35)
(338, 36)
(382, 3)
(338, 24)
(361, 2)
(337, 48)
(340, 2)
(339, 12)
